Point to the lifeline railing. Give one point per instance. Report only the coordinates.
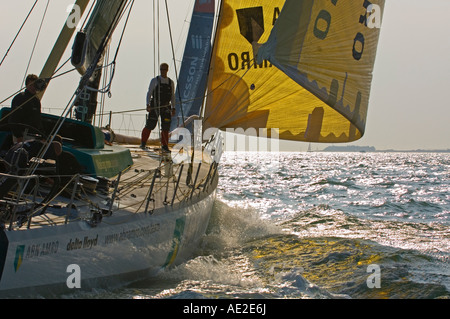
(17, 201)
(9, 205)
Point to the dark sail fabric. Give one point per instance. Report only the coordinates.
(102, 23)
(195, 64)
(88, 49)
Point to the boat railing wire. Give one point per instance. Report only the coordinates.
(19, 208)
(130, 122)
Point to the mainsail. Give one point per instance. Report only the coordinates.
(195, 65)
(313, 74)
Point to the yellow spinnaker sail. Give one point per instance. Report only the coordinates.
(315, 87)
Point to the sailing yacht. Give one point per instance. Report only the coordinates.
(126, 214)
(294, 70)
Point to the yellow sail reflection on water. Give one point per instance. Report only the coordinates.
(314, 71)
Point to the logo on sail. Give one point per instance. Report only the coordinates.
(197, 42)
(251, 27)
(251, 23)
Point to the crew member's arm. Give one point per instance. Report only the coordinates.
(151, 87)
(172, 101)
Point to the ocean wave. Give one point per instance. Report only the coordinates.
(316, 225)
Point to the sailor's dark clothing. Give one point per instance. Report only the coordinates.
(160, 105)
(26, 109)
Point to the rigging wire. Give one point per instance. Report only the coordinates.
(181, 42)
(156, 65)
(68, 109)
(217, 13)
(156, 52)
(231, 89)
(156, 31)
(102, 97)
(35, 42)
(53, 76)
(190, 167)
(88, 14)
(107, 86)
(174, 60)
(28, 15)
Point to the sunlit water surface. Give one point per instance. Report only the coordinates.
(310, 225)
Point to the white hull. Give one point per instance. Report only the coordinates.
(136, 244)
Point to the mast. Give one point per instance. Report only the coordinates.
(60, 45)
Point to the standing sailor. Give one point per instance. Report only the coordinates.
(160, 103)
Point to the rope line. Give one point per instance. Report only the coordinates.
(21, 27)
(35, 42)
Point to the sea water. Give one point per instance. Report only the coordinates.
(319, 225)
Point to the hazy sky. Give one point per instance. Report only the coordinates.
(408, 109)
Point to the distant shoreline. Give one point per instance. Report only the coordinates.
(371, 149)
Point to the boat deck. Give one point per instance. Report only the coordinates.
(153, 184)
